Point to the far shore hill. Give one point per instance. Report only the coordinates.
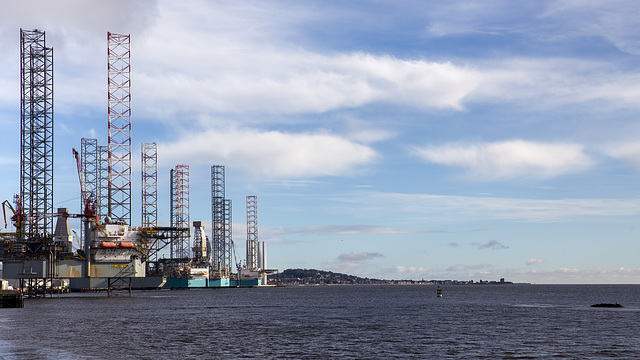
(320, 277)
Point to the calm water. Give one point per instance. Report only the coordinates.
(331, 322)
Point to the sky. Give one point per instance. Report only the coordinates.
(466, 140)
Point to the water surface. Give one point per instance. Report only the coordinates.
(330, 322)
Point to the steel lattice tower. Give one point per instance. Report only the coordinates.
(89, 158)
(252, 232)
(171, 217)
(228, 238)
(90, 165)
(102, 208)
(36, 132)
(119, 128)
(180, 247)
(219, 260)
(149, 184)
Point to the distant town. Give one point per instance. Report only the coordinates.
(292, 277)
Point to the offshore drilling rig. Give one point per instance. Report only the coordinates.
(112, 255)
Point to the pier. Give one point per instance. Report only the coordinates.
(11, 299)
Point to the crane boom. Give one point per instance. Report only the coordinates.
(83, 186)
(87, 202)
(4, 211)
(16, 218)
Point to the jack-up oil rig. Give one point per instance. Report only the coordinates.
(110, 254)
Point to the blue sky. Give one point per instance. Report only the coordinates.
(388, 139)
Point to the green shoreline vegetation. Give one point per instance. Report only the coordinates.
(321, 277)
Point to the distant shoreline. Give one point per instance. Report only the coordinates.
(312, 277)
(407, 284)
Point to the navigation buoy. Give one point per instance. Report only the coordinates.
(439, 292)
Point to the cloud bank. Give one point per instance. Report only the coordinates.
(418, 207)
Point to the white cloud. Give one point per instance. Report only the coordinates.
(629, 151)
(356, 257)
(408, 270)
(547, 81)
(238, 59)
(271, 154)
(370, 135)
(365, 132)
(349, 262)
(75, 18)
(509, 159)
(543, 81)
(77, 31)
(550, 82)
(253, 81)
(534, 261)
(192, 60)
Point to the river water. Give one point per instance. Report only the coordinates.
(331, 322)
